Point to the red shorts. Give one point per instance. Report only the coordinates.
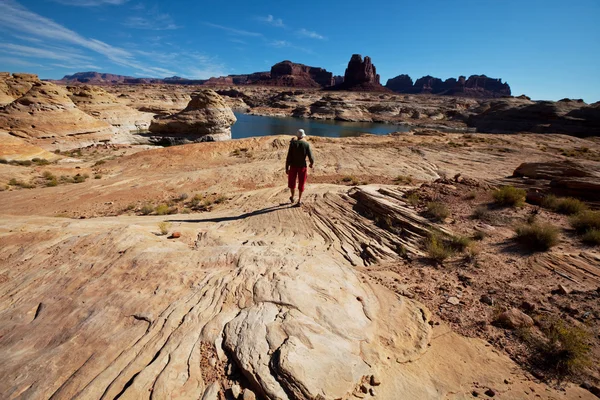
(300, 173)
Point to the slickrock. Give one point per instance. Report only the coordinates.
(15, 148)
(104, 106)
(47, 115)
(206, 118)
(14, 86)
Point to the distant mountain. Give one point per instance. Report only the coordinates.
(98, 78)
(475, 86)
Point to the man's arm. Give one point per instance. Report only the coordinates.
(287, 159)
(310, 156)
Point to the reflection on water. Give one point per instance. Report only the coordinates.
(253, 125)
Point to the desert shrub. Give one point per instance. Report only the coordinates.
(164, 227)
(413, 199)
(565, 205)
(459, 243)
(537, 236)
(404, 180)
(482, 213)
(13, 182)
(40, 161)
(98, 176)
(21, 184)
(182, 197)
(23, 163)
(350, 179)
(66, 179)
(586, 221)
(78, 178)
(437, 249)
(564, 350)
(52, 182)
(509, 196)
(186, 211)
(437, 211)
(99, 162)
(162, 209)
(57, 151)
(3, 161)
(471, 196)
(591, 237)
(130, 207)
(48, 175)
(219, 199)
(146, 209)
(196, 200)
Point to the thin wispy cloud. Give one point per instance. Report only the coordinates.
(269, 19)
(153, 20)
(91, 3)
(22, 21)
(18, 61)
(233, 31)
(310, 34)
(285, 44)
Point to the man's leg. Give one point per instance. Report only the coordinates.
(302, 176)
(292, 182)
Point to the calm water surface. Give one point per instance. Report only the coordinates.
(253, 125)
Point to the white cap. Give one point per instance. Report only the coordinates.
(300, 133)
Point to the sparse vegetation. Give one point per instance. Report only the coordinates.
(591, 237)
(40, 161)
(17, 183)
(437, 211)
(563, 351)
(146, 209)
(459, 243)
(164, 209)
(98, 176)
(196, 200)
(471, 196)
(78, 178)
(537, 236)
(565, 205)
(437, 249)
(99, 162)
(479, 235)
(350, 179)
(404, 180)
(482, 213)
(164, 227)
(413, 199)
(182, 197)
(509, 196)
(586, 221)
(3, 161)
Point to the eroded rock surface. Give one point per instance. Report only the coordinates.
(206, 118)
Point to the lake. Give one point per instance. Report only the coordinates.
(254, 125)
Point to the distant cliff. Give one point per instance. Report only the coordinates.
(98, 78)
(476, 86)
(361, 75)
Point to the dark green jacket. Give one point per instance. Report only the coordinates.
(297, 153)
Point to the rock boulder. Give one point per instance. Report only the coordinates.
(206, 118)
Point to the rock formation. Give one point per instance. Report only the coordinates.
(45, 113)
(102, 105)
(476, 86)
(361, 75)
(206, 118)
(300, 75)
(14, 86)
(522, 115)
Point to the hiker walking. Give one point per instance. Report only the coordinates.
(295, 164)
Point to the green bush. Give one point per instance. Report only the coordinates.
(78, 178)
(437, 249)
(52, 182)
(459, 243)
(509, 196)
(591, 237)
(564, 350)
(40, 161)
(164, 227)
(162, 209)
(537, 236)
(564, 205)
(586, 221)
(437, 211)
(48, 176)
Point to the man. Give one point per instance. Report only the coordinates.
(295, 164)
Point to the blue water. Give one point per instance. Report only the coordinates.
(253, 125)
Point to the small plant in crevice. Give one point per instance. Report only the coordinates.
(164, 227)
(437, 211)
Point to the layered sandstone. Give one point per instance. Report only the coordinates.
(104, 106)
(206, 118)
(46, 114)
(360, 75)
(475, 86)
(14, 86)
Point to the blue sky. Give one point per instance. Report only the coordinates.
(547, 49)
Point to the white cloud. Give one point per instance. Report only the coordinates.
(310, 34)
(269, 19)
(153, 20)
(18, 61)
(91, 3)
(64, 54)
(280, 43)
(233, 30)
